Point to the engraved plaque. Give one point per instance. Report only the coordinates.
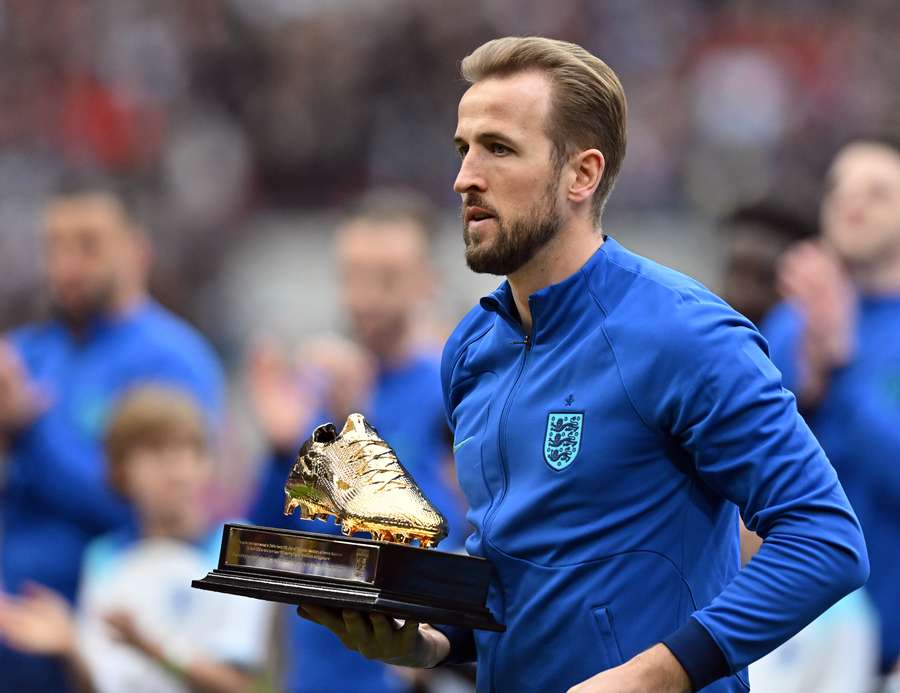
(300, 555)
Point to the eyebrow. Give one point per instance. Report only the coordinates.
(489, 136)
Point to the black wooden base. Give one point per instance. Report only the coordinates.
(349, 573)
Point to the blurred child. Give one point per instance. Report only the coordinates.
(139, 625)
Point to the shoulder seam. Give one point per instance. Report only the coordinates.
(615, 355)
(681, 294)
(465, 345)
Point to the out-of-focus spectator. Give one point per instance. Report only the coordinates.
(390, 376)
(756, 236)
(837, 343)
(139, 626)
(59, 380)
(836, 653)
(230, 104)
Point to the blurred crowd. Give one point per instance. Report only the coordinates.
(128, 381)
(222, 110)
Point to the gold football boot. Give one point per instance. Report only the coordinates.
(356, 476)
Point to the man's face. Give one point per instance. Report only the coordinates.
(509, 179)
(383, 268)
(168, 484)
(750, 266)
(861, 208)
(86, 250)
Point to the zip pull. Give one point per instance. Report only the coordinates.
(526, 342)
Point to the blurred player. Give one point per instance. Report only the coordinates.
(756, 236)
(386, 372)
(837, 342)
(139, 625)
(58, 382)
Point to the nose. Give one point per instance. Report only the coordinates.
(469, 178)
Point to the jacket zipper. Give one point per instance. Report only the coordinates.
(501, 445)
(502, 434)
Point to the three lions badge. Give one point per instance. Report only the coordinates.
(562, 440)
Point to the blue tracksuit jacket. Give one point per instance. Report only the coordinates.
(857, 424)
(605, 460)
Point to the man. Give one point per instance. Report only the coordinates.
(611, 417)
(389, 373)
(756, 237)
(837, 342)
(58, 381)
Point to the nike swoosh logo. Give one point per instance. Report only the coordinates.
(457, 446)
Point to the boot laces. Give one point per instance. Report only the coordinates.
(379, 464)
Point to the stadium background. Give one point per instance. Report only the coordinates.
(247, 124)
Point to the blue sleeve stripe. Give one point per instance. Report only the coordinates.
(698, 653)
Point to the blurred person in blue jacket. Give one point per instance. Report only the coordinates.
(391, 373)
(59, 379)
(836, 340)
(612, 419)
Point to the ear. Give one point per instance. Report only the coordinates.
(588, 168)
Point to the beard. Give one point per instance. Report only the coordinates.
(79, 312)
(516, 241)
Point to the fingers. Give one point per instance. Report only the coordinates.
(360, 632)
(408, 634)
(36, 589)
(373, 635)
(329, 618)
(382, 629)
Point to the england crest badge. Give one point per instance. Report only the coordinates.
(562, 440)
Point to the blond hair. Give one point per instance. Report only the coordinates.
(150, 416)
(588, 108)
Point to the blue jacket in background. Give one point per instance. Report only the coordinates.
(407, 409)
(858, 424)
(605, 460)
(55, 498)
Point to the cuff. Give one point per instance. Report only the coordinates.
(462, 644)
(698, 654)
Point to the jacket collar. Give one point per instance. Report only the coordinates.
(552, 306)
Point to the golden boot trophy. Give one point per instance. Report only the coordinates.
(355, 477)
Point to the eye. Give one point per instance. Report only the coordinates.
(499, 149)
(462, 150)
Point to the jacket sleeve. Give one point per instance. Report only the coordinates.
(869, 417)
(782, 329)
(462, 640)
(717, 394)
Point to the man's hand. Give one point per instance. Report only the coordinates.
(811, 277)
(40, 622)
(654, 671)
(20, 401)
(375, 636)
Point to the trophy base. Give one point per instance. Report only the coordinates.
(339, 572)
